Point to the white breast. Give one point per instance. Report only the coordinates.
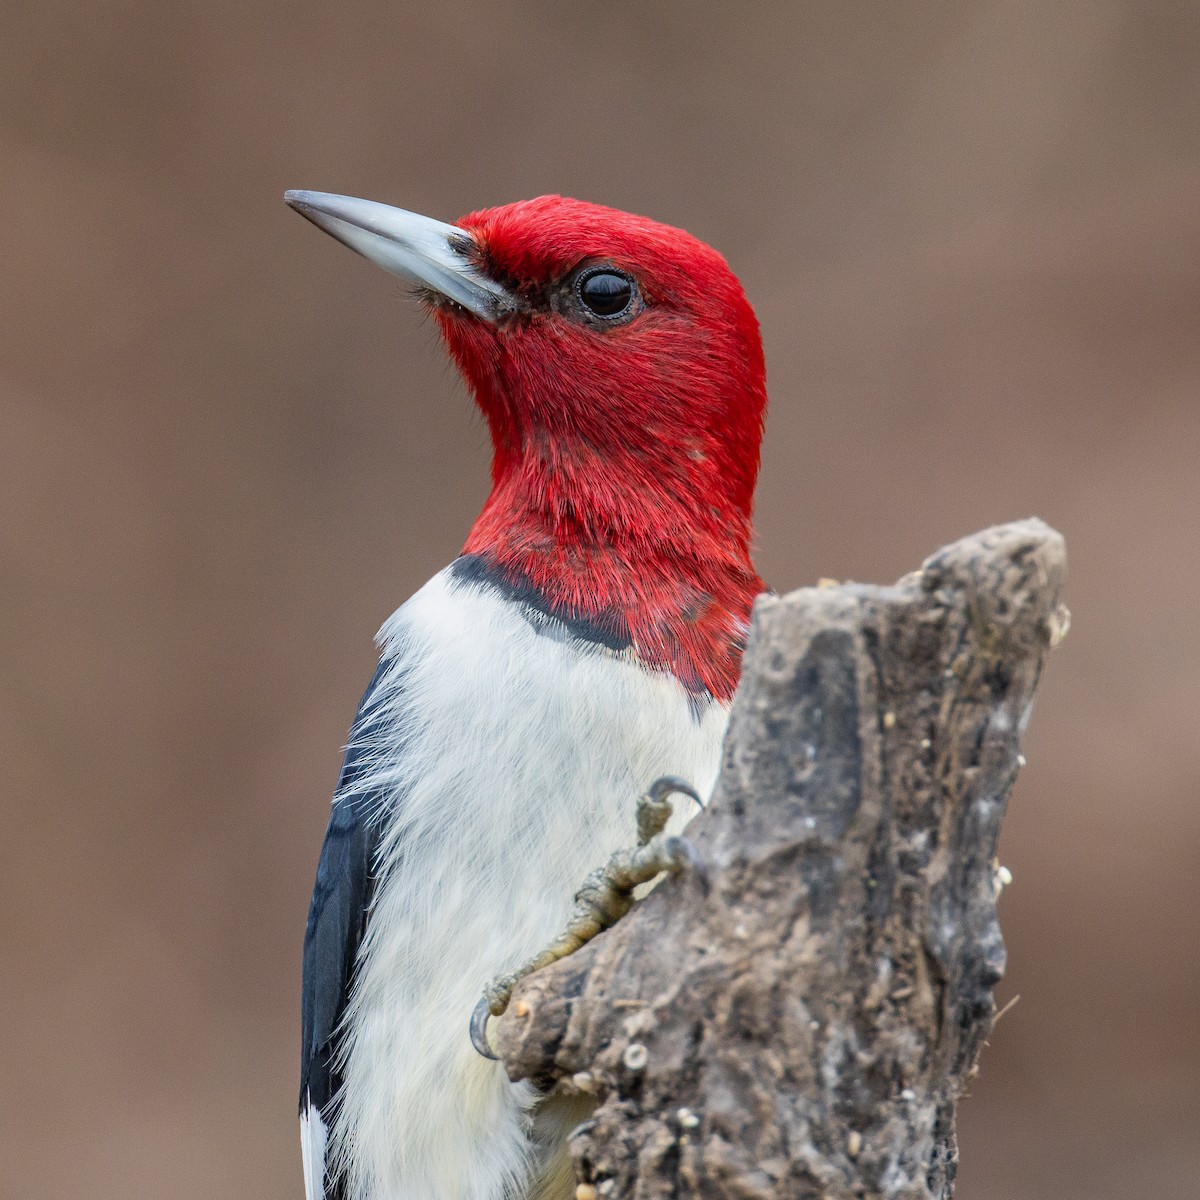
(522, 760)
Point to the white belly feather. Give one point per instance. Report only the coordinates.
(523, 757)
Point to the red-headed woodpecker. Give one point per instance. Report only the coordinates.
(586, 642)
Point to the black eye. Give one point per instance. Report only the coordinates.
(605, 292)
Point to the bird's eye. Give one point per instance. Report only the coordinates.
(606, 293)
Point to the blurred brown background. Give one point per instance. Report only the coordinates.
(228, 448)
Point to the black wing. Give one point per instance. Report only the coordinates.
(338, 914)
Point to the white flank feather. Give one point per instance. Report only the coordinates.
(312, 1148)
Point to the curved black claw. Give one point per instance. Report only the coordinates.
(478, 1027)
(665, 785)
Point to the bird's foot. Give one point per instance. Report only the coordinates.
(605, 897)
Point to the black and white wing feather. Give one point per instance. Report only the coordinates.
(337, 919)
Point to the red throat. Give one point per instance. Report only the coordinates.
(625, 458)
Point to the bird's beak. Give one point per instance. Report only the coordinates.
(429, 253)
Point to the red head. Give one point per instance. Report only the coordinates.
(620, 369)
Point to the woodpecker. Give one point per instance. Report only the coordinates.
(586, 642)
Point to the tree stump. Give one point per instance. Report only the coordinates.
(804, 1025)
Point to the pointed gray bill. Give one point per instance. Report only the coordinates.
(426, 252)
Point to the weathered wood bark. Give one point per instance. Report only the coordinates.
(805, 1025)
